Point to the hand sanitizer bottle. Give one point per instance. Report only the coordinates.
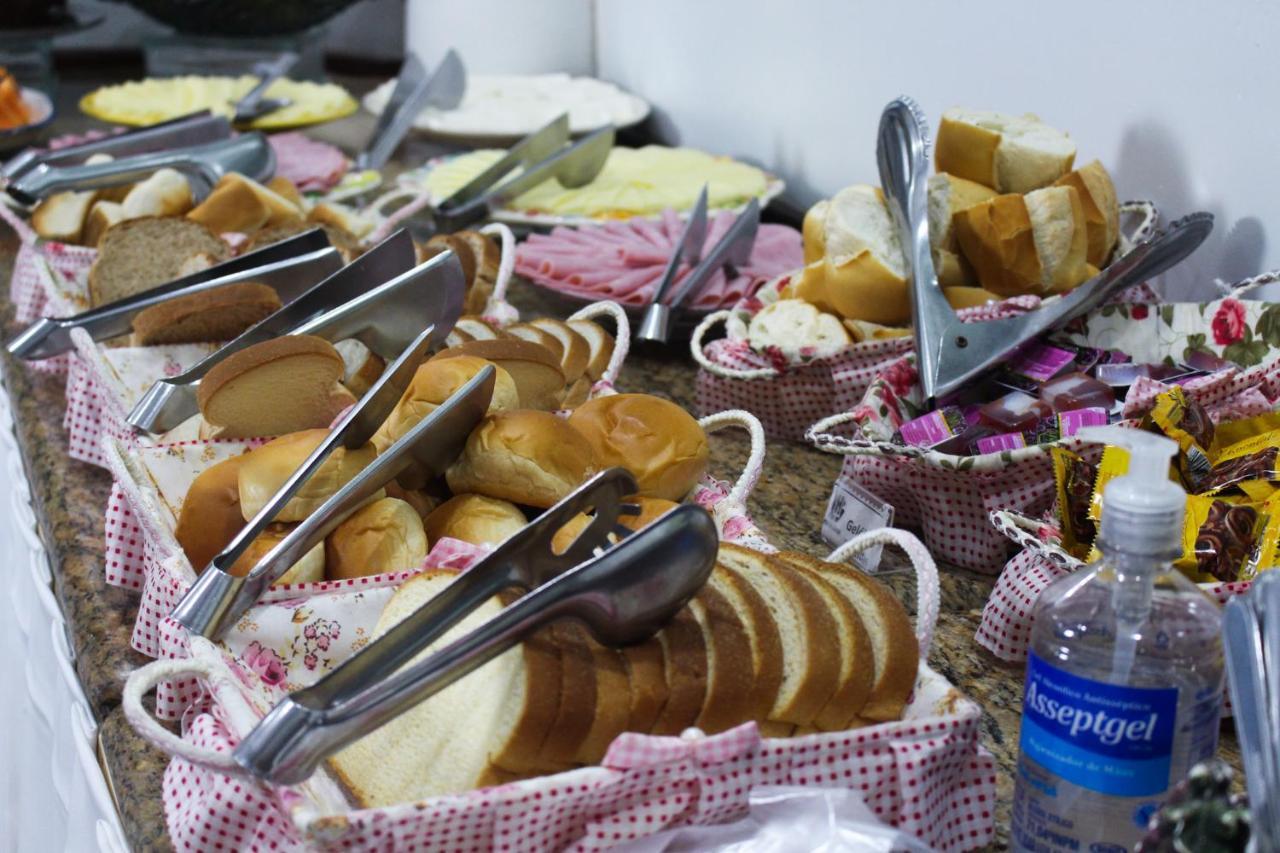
(1124, 675)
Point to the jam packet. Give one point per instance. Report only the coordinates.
(940, 425)
(1040, 361)
(1219, 538)
(1188, 424)
(1074, 477)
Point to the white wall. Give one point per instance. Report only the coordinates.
(1177, 98)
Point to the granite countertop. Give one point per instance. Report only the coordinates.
(788, 504)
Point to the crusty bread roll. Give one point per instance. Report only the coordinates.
(538, 377)
(138, 254)
(968, 297)
(575, 352)
(863, 273)
(279, 386)
(651, 509)
(286, 189)
(599, 342)
(948, 195)
(211, 515)
(308, 569)
(660, 443)
(1011, 154)
(383, 536)
(241, 204)
(434, 382)
(533, 334)
(422, 501)
(265, 469)
(211, 316)
(860, 331)
(62, 216)
(102, 216)
(342, 218)
(813, 232)
(476, 519)
(523, 456)
(1034, 243)
(361, 366)
(1101, 209)
(164, 193)
(797, 328)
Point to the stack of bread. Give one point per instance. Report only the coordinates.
(1007, 217)
(795, 644)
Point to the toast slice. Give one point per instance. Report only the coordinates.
(62, 216)
(209, 316)
(730, 698)
(810, 674)
(857, 660)
(242, 205)
(684, 660)
(139, 254)
(165, 193)
(765, 643)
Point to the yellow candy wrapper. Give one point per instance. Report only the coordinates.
(1220, 540)
(1074, 479)
(1187, 423)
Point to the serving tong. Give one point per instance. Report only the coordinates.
(253, 105)
(381, 299)
(950, 353)
(733, 249)
(415, 90)
(622, 593)
(290, 267)
(1251, 640)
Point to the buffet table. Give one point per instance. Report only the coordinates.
(788, 505)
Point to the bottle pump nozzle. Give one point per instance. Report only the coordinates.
(1141, 511)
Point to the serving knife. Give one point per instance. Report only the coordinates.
(415, 90)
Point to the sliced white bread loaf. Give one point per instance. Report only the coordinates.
(1101, 209)
(684, 661)
(857, 660)
(138, 254)
(1011, 154)
(600, 344)
(612, 703)
(577, 706)
(209, 316)
(730, 698)
(646, 683)
(765, 641)
(478, 328)
(532, 334)
(574, 349)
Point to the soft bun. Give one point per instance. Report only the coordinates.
(210, 516)
(523, 456)
(651, 509)
(433, 383)
(265, 470)
(656, 440)
(308, 569)
(476, 519)
(384, 536)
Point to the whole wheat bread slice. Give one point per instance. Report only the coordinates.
(139, 254)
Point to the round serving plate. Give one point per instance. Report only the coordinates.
(41, 107)
(159, 99)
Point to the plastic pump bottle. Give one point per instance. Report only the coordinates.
(1124, 675)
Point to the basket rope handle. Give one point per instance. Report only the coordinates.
(927, 593)
(1144, 230)
(1247, 284)
(141, 681)
(418, 201)
(621, 338)
(695, 347)
(506, 261)
(819, 435)
(755, 460)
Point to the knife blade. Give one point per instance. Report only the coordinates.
(414, 92)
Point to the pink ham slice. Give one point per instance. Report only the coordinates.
(312, 166)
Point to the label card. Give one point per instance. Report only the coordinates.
(853, 510)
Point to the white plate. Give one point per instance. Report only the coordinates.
(42, 112)
(500, 109)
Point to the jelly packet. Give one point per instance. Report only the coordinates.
(1187, 423)
(1074, 477)
(940, 425)
(1220, 538)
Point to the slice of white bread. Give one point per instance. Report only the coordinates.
(538, 377)
(577, 710)
(612, 705)
(684, 661)
(308, 569)
(575, 351)
(948, 195)
(893, 642)
(455, 740)
(795, 328)
(1101, 209)
(458, 337)
(857, 660)
(577, 393)
(863, 272)
(765, 642)
(599, 342)
(521, 754)
(242, 205)
(342, 218)
(165, 193)
(361, 365)
(62, 216)
(488, 256)
(283, 385)
(288, 190)
(139, 254)
(478, 328)
(646, 684)
(531, 333)
(466, 256)
(730, 699)
(1026, 244)
(209, 316)
(102, 216)
(265, 469)
(810, 673)
(1011, 154)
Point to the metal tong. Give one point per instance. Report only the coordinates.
(290, 267)
(380, 299)
(203, 164)
(734, 248)
(253, 106)
(192, 129)
(949, 353)
(218, 599)
(622, 595)
(414, 92)
(545, 153)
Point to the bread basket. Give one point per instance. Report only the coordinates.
(790, 394)
(948, 498)
(926, 774)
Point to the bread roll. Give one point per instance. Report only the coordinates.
(1101, 209)
(523, 456)
(102, 216)
(797, 329)
(309, 569)
(599, 342)
(164, 193)
(422, 501)
(478, 328)
(651, 509)
(538, 377)
(436, 381)
(265, 469)
(241, 204)
(361, 366)
(968, 297)
(574, 349)
(343, 218)
(860, 331)
(863, 272)
(1011, 154)
(813, 232)
(288, 190)
(657, 441)
(62, 216)
(948, 195)
(210, 316)
(1026, 244)
(475, 519)
(211, 515)
(383, 536)
(138, 254)
(275, 387)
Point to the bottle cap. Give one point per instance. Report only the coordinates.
(1141, 511)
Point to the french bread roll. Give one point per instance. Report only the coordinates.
(383, 536)
(661, 444)
(138, 254)
(813, 232)
(523, 456)
(948, 195)
(537, 374)
(422, 501)
(361, 366)
(488, 257)
(1101, 209)
(1011, 154)
(210, 516)
(288, 190)
(651, 509)
(797, 328)
(341, 218)
(102, 216)
(164, 193)
(458, 337)
(475, 519)
(283, 385)
(1034, 243)
(864, 271)
(968, 297)
(861, 330)
(240, 204)
(575, 352)
(532, 334)
(62, 216)
(265, 469)
(478, 328)
(599, 342)
(308, 569)
(211, 316)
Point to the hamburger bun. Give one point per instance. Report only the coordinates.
(309, 569)
(651, 509)
(265, 469)
(475, 519)
(436, 381)
(656, 440)
(383, 536)
(523, 456)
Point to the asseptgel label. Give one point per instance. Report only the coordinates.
(1102, 737)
